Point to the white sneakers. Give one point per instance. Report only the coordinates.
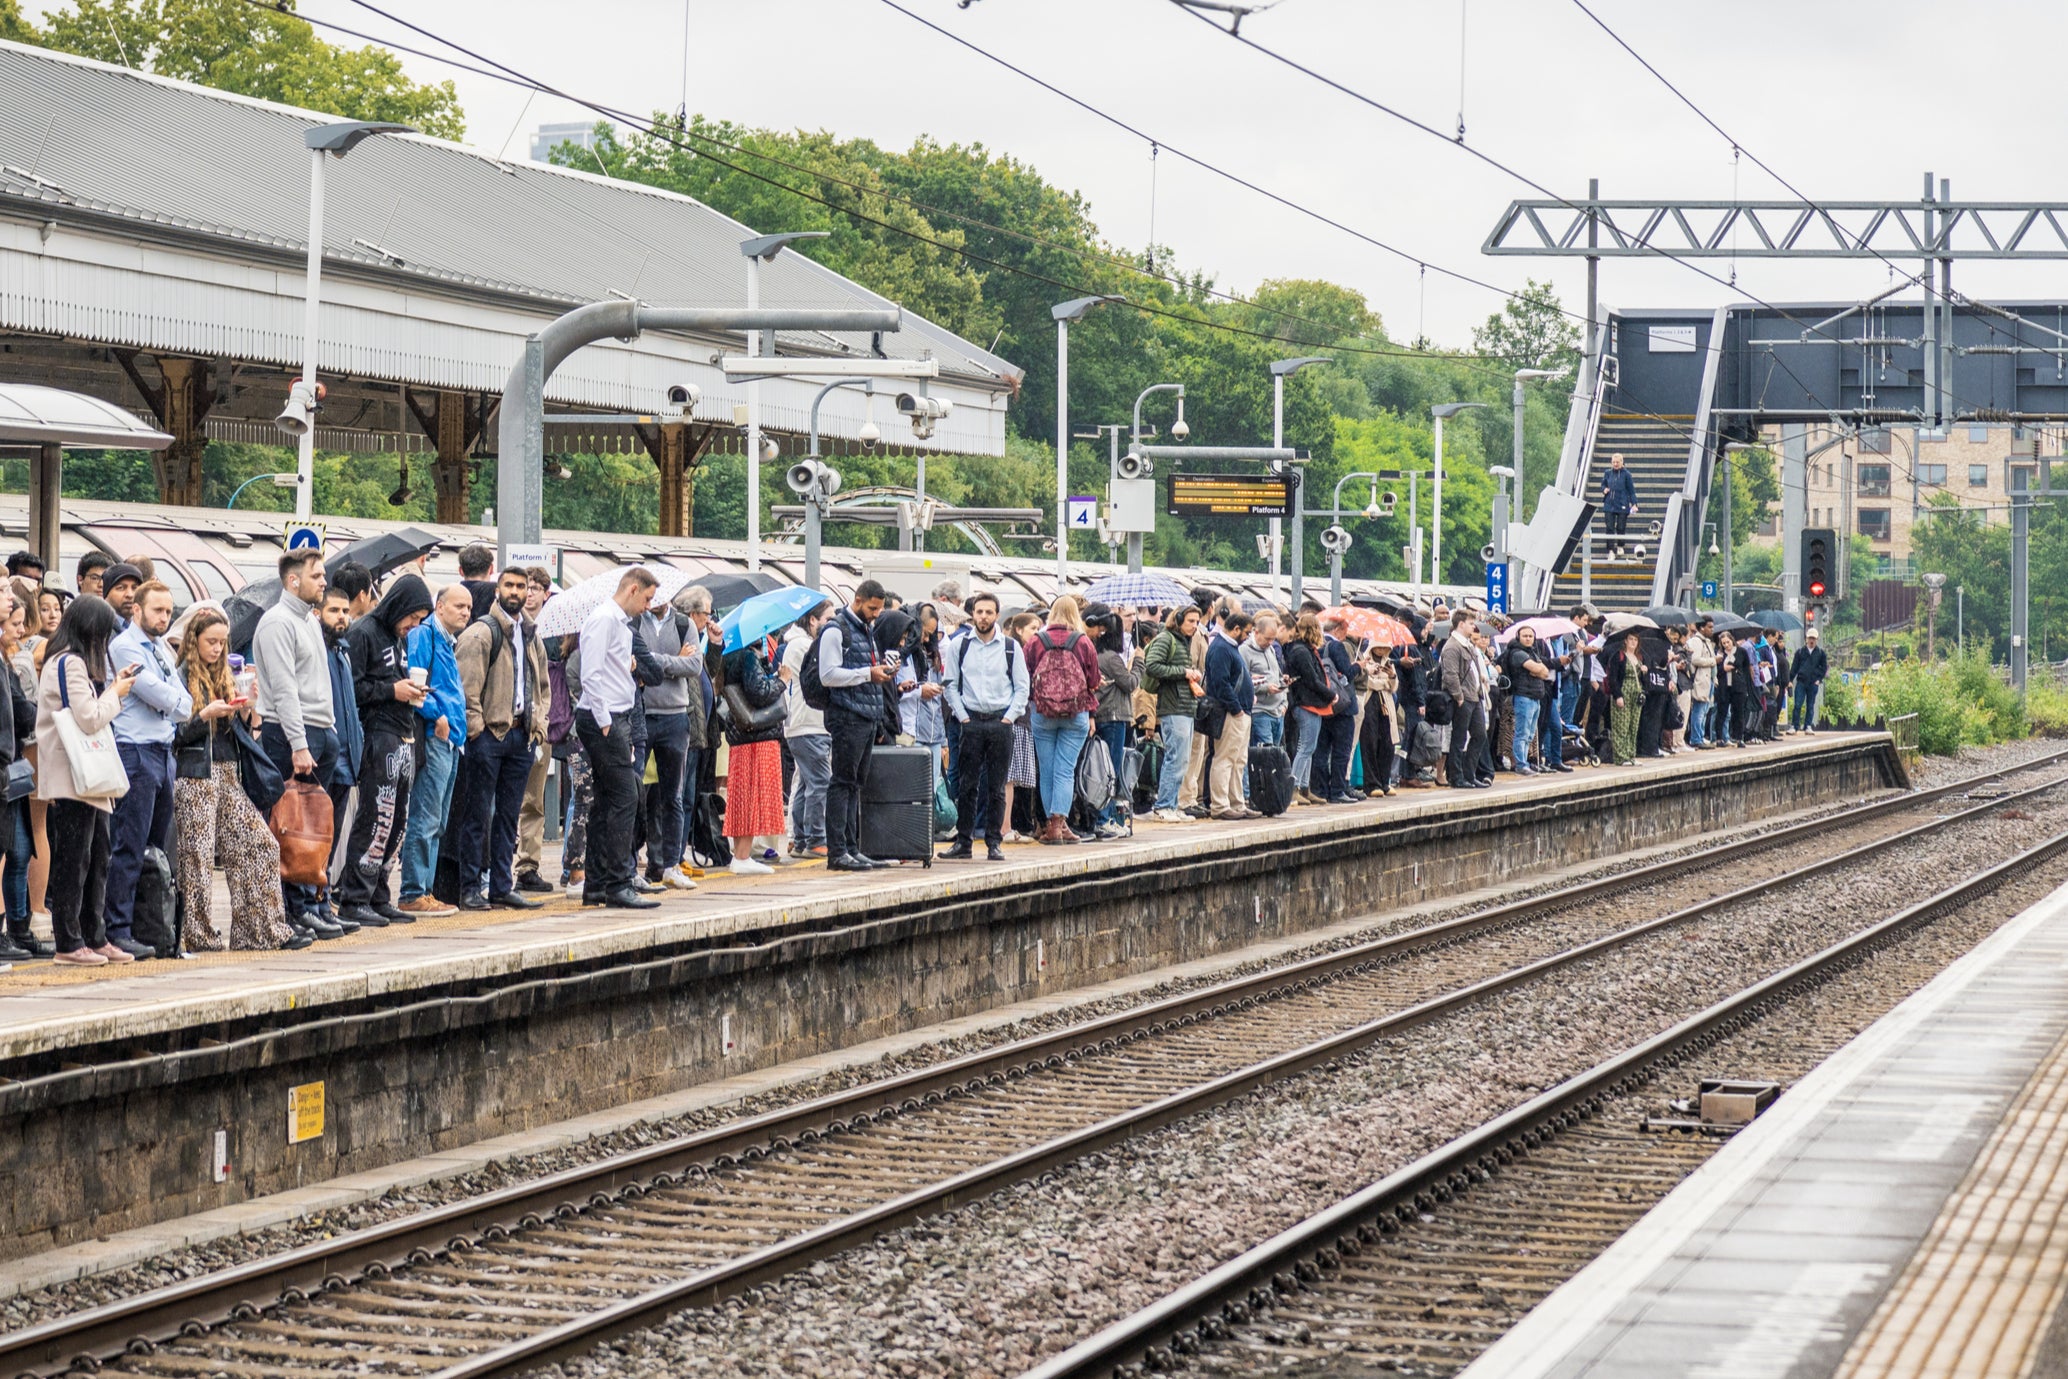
(678, 879)
(744, 866)
(1172, 816)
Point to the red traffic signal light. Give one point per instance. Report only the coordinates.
(1819, 545)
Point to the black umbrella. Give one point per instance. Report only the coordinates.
(1733, 624)
(1669, 615)
(244, 609)
(382, 553)
(1776, 620)
(730, 591)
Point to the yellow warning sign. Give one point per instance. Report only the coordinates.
(305, 1112)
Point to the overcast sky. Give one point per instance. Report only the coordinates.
(1841, 99)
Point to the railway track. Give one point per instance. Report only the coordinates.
(504, 1283)
(1420, 1271)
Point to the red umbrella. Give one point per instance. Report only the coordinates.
(1371, 625)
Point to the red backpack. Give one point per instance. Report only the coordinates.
(1059, 686)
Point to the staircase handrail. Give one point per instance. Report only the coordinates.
(1582, 427)
(1680, 534)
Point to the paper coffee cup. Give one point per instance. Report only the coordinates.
(419, 676)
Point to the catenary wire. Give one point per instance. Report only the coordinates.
(676, 137)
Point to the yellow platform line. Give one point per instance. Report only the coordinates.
(1975, 1300)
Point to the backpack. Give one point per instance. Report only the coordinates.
(1096, 784)
(1059, 684)
(1012, 649)
(1151, 682)
(155, 922)
(1436, 708)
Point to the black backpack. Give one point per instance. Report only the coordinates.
(155, 921)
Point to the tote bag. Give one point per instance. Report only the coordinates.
(97, 772)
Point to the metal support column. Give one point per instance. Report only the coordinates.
(46, 486)
(1794, 517)
(2021, 591)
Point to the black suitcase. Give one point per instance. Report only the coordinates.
(897, 805)
(1270, 779)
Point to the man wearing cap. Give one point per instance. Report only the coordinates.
(1811, 666)
(120, 581)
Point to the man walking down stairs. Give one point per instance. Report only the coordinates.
(1618, 501)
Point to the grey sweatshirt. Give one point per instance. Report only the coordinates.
(293, 671)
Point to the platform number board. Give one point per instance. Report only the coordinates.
(1709, 588)
(1083, 513)
(1497, 586)
(300, 534)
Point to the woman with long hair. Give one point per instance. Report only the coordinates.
(1626, 708)
(1117, 682)
(77, 674)
(1309, 699)
(754, 774)
(217, 824)
(16, 836)
(1023, 772)
(1060, 720)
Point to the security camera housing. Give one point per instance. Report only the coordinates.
(684, 397)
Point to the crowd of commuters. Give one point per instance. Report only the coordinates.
(430, 721)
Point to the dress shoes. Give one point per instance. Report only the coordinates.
(510, 900)
(316, 926)
(365, 916)
(849, 862)
(961, 852)
(531, 883)
(629, 899)
(133, 948)
(26, 940)
(475, 900)
(394, 914)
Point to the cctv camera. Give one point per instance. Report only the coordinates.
(684, 397)
(1178, 429)
(917, 405)
(299, 414)
(869, 434)
(1373, 510)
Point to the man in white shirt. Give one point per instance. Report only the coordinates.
(605, 649)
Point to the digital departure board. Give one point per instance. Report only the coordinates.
(1231, 495)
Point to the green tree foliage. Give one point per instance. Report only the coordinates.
(1531, 332)
(233, 46)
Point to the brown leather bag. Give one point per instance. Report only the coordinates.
(301, 821)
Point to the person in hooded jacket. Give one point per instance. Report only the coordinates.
(377, 653)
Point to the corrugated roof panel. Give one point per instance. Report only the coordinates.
(168, 154)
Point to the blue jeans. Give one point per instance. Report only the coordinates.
(1058, 742)
(813, 754)
(1307, 728)
(1697, 722)
(1526, 713)
(14, 827)
(1266, 727)
(1176, 732)
(429, 802)
(1551, 735)
(667, 826)
(1114, 735)
(1568, 696)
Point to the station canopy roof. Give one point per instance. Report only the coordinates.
(103, 146)
(32, 415)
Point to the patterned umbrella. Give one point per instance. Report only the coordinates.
(1371, 625)
(1138, 591)
(566, 611)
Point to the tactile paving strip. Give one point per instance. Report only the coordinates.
(1976, 1298)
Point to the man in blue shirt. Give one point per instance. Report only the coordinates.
(143, 736)
(444, 714)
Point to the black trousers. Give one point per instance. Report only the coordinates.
(1618, 523)
(498, 769)
(615, 783)
(1467, 742)
(1651, 722)
(1375, 733)
(78, 887)
(986, 756)
(853, 737)
(386, 772)
(323, 745)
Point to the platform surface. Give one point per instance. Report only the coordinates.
(1899, 1211)
(44, 1006)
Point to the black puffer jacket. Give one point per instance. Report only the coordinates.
(379, 658)
(748, 668)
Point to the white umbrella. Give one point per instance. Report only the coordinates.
(1619, 623)
(567, 610)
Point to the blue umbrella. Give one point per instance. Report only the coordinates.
(769, 612)
(1139, 591)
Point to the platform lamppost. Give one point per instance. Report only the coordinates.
(1065, 313)
(1441, 412)
(298, 418)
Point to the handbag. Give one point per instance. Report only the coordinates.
(742, 719)
(262, 779)
(21, 780)
(97, 772)
(301, 822)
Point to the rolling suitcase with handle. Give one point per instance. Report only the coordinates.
(897, 805)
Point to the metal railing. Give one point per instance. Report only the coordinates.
(1680, 542)
(1583, 427)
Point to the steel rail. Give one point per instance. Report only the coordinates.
(1284, 1263)
(52, 1346)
